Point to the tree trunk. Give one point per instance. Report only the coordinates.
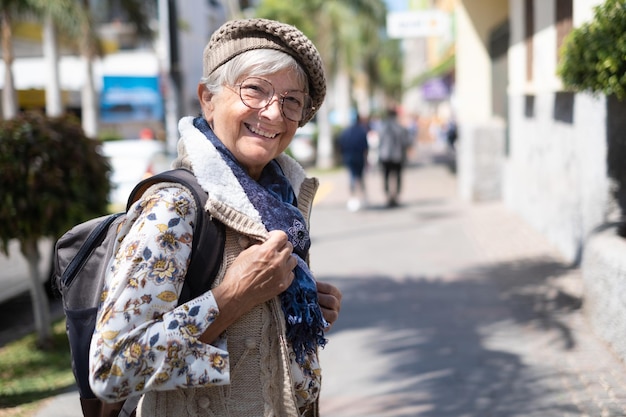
(9, 97)
(41, 307)
(89, 100)
(54, 104)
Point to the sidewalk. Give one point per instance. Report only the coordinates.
(450, 309)
(453, 309)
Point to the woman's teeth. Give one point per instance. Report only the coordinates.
(261, 132)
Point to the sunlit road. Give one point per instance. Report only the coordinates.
(452, 310)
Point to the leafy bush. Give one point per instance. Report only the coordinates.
(53, 177)
(594, 60)
(594, 54)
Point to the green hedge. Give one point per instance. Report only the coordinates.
(594, 54)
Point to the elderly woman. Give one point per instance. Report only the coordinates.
(249, 346)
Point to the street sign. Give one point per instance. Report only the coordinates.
(415, 24)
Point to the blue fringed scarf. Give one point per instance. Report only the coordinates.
(274, 199)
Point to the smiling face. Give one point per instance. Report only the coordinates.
(254, 137)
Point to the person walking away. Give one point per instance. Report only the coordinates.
(452, 134)
(248, 347)
(393, 145)
(354, 148)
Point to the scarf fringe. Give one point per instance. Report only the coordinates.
(305, 322)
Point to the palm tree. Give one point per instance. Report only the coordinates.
(54, 104)
(75, 20)
(55, 14)
(89, 50)
(9, 10)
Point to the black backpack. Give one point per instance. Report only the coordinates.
(80, 261)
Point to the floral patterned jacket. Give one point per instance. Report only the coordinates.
(145, 344)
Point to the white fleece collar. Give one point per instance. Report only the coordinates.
(215, 176)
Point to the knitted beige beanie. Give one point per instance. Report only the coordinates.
(237, 36)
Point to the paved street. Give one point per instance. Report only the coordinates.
(450, 310)
(454, 310)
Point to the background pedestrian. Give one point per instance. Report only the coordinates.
(354, 149)
(393, 145)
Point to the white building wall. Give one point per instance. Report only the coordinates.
(481, 136)
(555, 173)
(473, 76)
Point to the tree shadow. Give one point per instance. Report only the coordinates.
(433, 330)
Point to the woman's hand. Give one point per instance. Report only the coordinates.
(262, 271)
(329, 298)
(258, 274)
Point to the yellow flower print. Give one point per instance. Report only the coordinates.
(173, 350)
(177, 363)
(139, 387)
(132, 355)
(181, 207)
(161, 378)
(130, 250)
(190, 329)
(162, 270)
(218, 362)
(133, 283)
(116, 371)
(168, 241)
(148, 205)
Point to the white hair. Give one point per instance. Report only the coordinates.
(257, 62)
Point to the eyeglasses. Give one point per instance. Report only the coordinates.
(257, 93)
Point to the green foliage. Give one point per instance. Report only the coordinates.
(388, 65)
(53, 177)
(594, 54)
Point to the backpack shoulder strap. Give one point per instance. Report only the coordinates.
(208, 236)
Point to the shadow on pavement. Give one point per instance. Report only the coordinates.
(434, 333)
